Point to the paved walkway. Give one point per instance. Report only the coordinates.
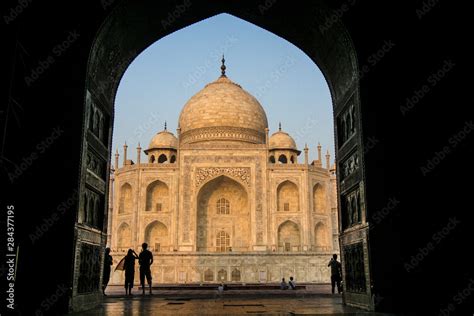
(313, 301)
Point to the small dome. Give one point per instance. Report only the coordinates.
(163, 139)
(281, 140)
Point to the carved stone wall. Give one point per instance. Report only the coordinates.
(352, 208)
(89, 268)
(248, 268)
(354, 268)
(223, 133)
(204, 174)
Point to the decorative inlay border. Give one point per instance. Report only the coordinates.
(202, 174)
(222, 133)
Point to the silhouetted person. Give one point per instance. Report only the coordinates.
(107, 263)
(129, 267)
(145, 260)
(336, 273)
(292, 283)
(283, 284)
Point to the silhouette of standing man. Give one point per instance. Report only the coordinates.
(107, 263)
(336, 273)
(145, 259)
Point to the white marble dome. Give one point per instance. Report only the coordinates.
(223, 111)
(163, 139)
(281, 140)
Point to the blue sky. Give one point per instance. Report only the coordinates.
(287, 83)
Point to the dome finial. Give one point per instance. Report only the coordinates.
(279, 126)
(165, 126)
(223, 66)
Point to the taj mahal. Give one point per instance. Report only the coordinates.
(224, 199)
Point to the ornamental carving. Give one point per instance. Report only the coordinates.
(242, 174)
(222, 133)
(346, 124)
(188, 161)
(350, 165)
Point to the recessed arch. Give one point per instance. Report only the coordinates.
(208, 275)
(222, 275)
(235, 275)
(321, 240)
(162, 158)
(289, 236)
(210, 223)
(126, 199)
(157, 236)
(288, 197)
(124, 237)
(157, 197)
(152, 159)
(282, 159)
(319, 199)
(271, 159)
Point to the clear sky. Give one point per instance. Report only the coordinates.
(287, 83)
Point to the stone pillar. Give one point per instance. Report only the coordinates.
(328, 165)
(306, 159)
(319, 154)
(116, 159)
(139, 150)
(125, 154)
(111, 206)
(319, 162)
(266, 136)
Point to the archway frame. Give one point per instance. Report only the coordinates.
(293, 221)
(200, 190)
(117, 44)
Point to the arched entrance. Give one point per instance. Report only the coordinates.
(157, 197)
(157, 236)
(289, 237)
(123, 36)
(223, 216)
(288, 197)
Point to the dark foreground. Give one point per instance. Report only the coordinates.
(314, 301)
